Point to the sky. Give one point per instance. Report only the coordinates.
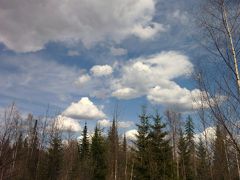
(83, 58)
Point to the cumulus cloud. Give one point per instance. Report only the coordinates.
(209, 133)
(72, 21)
(151, 76)
(84, 109)
(131, 134)
(121, 124)
(149, 31)
(174, 95)
(67, 124)
(82, 80)
(102, 70)
(125, 93)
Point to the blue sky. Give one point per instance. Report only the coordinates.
(83, 57)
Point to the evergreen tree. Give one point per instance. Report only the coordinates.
(55, 153)
(142, 165)
(85, 155)
(98, 154)
(191, 170)
(160, 151)
(202, 167)
(113, 150)
(84, 147)
(183, 156)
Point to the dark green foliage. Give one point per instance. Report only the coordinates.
(142, 164)
(202, 163)
(160, 151)
(84, 147)
(98, 154)
(183, 155)
(191, 170)
(113, 150)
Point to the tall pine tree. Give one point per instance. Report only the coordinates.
(98, 154)
(142, 164)
(202, 162)
(160, 151)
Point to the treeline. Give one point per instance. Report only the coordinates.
(165, 148)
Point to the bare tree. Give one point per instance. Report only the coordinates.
(219, 80)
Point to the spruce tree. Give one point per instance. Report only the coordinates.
(98, 154)
(84, 147)
(202, 163)
(191, 165)
(183, 156)
(113, 150)
(160, 151)
(142, 166)
(85, 155)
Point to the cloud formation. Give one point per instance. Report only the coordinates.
(67, 124)
(84, 109)
(28, 25)
(131, 134)
(150, 76)
(121, 124)
(101, 70)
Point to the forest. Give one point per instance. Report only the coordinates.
(181, 141)
(165, 148)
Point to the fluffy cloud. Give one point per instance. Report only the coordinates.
(67, 124)
(82, 80)
(209, 132)
(174, 95)
(121, 124)
(149, 31)
(103, 70)
(150, 76)
(153, 76)
(72, 21)
(131, 134)
(125, 93)
(84, 109)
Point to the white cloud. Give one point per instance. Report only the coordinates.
(149, 31)
(83, 109)
(82, 80)
(131, 134)
(72, 21)
(67, 124)
(105, 123)
(121, 124)
(209, 133)
(125, 93)
(118, 51)
(73, 53)
(101, 70)
(174, 95)
(153, 76)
